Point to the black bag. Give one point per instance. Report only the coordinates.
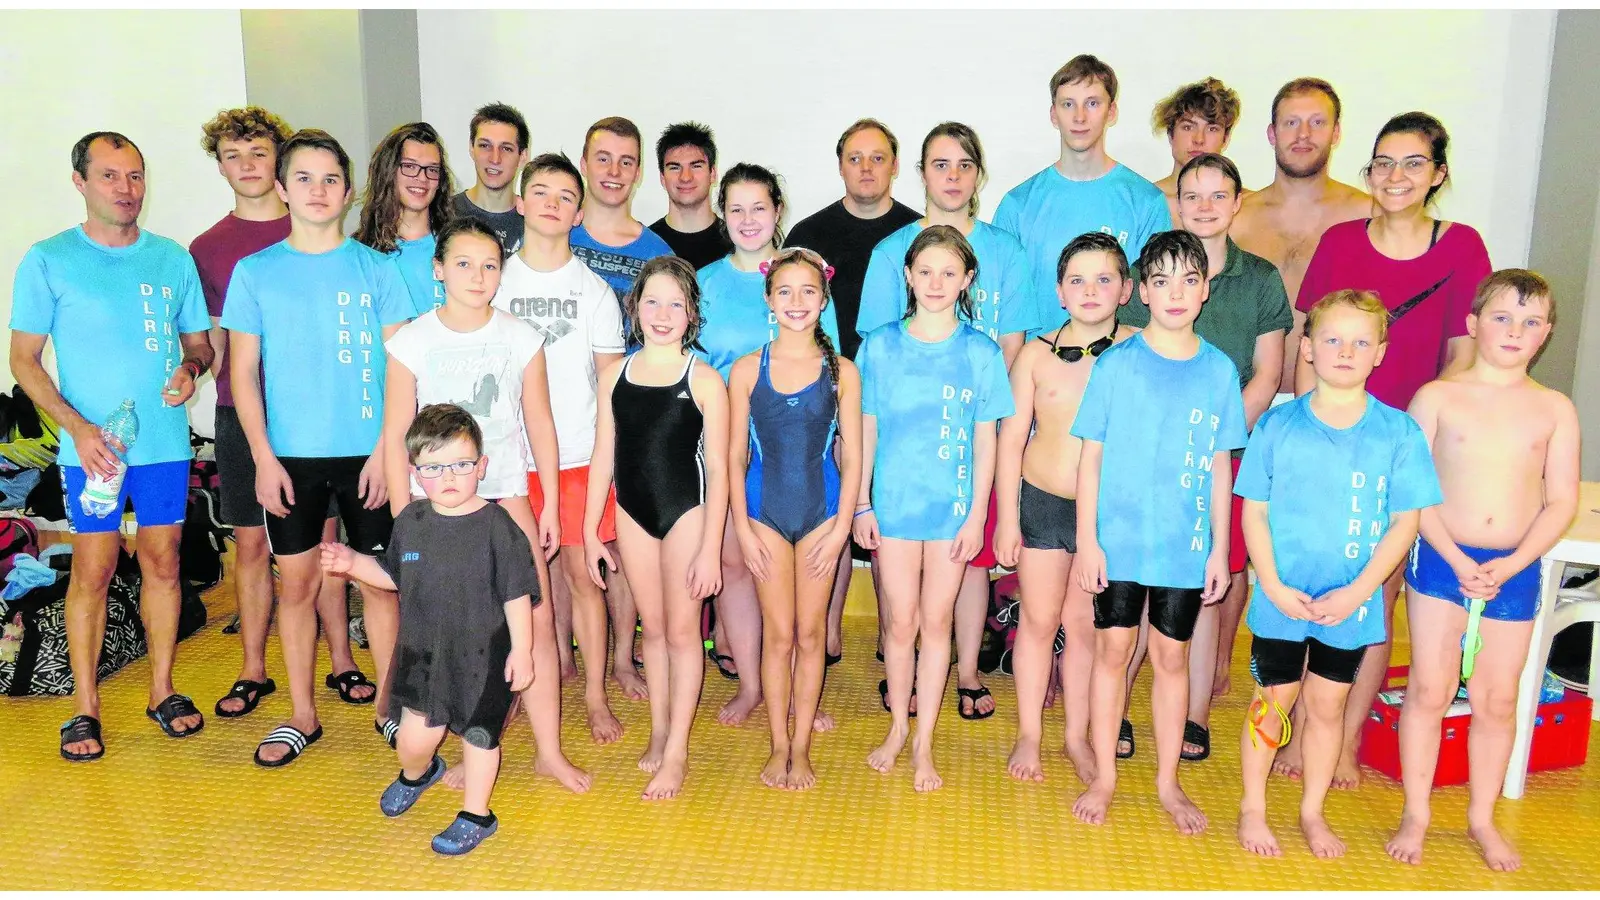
(33, 644)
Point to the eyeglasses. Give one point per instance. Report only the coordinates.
(431, 471)
(1412, 165)
(412, 170)
(1073, 354)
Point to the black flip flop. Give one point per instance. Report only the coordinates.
(296, 740)
(77, 730)
(883, 695)
(176, 706)
(1125, 733)
(716, 660)
(348, 682)
(251, 692)
(1200, 736)
(831, 659)
(973, 694)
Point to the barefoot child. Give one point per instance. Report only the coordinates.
(466, 580)
(491, 364)
(1506, 449)
(663, 436)
(1036, 480)
(932, 390)
(1158, 418)
(1321, 559)
(791, 500)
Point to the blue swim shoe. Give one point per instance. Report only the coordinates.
(399, 796)
(464, 834)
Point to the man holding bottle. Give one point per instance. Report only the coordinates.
(125, 311)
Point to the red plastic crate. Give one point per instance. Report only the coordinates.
(1560, 736)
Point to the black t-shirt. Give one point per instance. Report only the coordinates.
(846, 242)
(700, 248)
(508, 224)
(455, 575)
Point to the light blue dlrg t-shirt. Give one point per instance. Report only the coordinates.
(415, 261)
(619, 266)
(1162, 421)
(1003, 295)
(1329, 495)
(1048, 210)
(737, 318)
(115, 315)
(320, 318)
(929, 400)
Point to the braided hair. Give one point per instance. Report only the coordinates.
(800, 256)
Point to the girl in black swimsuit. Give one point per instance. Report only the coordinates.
(662, 434)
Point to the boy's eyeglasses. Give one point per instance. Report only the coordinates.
(412, 170)
(1073, 354)
(434, 470)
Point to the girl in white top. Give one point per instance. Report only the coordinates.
(491, 364)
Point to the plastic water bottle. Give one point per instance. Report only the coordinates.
(99, 497)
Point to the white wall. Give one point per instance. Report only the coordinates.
(155, 76)
(779, 87)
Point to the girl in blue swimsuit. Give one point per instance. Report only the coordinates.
(792, 506)
(662, 433)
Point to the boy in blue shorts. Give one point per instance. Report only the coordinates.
(124, 310)
(310, 314)
(1159, 417)
(1507, 450)
(1332, 483)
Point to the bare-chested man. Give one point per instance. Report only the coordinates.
(1197, 118)
(1283, 221)
(1036, 484)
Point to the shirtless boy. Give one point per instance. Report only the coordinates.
(1036, 482)
(1506, 449)
(1283, 221)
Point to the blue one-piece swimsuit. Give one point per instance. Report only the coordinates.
(792, 483)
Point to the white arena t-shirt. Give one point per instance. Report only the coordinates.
(481, 372)
(577, 314)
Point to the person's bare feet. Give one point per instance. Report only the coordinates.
(627, 677)
(569, 670)
(1406, 845)
(1082, 758)
(1497, 851)
(668, 780)
(1050, 695)
(1347, 774)
(1221, 685)
(1255, 836)
(1287, 761)
(737, 711)
(1320, 838)
(823, 721)
(1091, 806)
(801, 776)
(454, 777)
(924, 777)
(1186, 817)
(1024, 764)
(603, 726)
(775, 773)
(885, 756)
(650, 760)
(562, 770)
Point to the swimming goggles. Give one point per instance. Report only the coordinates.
(1073, 354)
(1256, 716)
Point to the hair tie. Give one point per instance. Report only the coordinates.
(765, 267)
(827, 273)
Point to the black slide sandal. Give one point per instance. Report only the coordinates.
(77, 730)
(1200, 736)
(883, 695)
(1125, 734)
(294, 738)
(176, 706)
(349, 681)
(716, 660)
(251, 692)
(388, 729)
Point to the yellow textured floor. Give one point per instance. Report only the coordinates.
(159, 813)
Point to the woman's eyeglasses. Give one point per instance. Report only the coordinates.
(1073, 354)
(431, 471)
(412, 170)
(1411, 165)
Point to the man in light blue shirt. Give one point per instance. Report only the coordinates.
(125, 311)
(1085, 190)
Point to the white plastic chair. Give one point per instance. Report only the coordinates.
(1558, 610)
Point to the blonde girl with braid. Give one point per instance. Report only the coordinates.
(791, 510)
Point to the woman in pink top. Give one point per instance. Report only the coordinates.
(1425, 271)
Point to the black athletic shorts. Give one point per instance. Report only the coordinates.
(1173, 611)
(1049, 522)
(316, 481)
(1274, 662)
(236, 470)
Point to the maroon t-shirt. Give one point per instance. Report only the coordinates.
(215, 254)
(1428, 298)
